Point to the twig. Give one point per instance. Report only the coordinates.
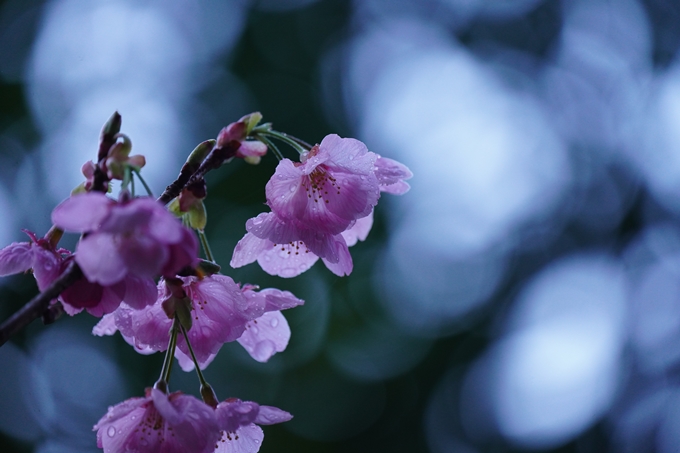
(37, 306)
(189, 174)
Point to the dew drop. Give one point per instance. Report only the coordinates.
(274, 322)
(254, 330)
(292, 188)
(351, 157)
(111, 431)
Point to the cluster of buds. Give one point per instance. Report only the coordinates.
(137, 267)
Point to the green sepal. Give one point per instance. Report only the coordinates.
(183, 312)
(199, 153)
(206, 268)
(197, 216)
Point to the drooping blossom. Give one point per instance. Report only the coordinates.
(289, 259)
(136, 236)
(221, 312)
(99, 300)
(320, 207)
(159, 423)
(239, 422)
(334, 185)
(36, 254)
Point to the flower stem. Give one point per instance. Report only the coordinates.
(271, 145)
(201, 379)
(169, 356)
(146, 186)
(206, 247)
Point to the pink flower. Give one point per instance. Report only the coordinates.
(319, 208)
(221, 312)
(290, 259)
(334, 185)
(37, 254)
(99, 300)
(159, 423)
(239, 419)
(137, 237)
(391, 175)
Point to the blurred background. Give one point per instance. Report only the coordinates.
(523, 296)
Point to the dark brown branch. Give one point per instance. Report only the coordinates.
(191, 175)
(37, 306)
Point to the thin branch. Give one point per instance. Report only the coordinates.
(189, 174)
(37, 306)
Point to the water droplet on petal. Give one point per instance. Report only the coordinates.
(254, 330)
(111, 431)
(274, 322)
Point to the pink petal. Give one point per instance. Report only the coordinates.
(127, 217)
(344, 265)
(270, 415)
(275, 299)
(398, 188)
(46, 266)
(187, 364)
(348, 154)
(268, 225)
(105, 326)
(252, 149)
(359, 231)
(111, 298)
(83, 212)
(389, 171)
(246, 439)
(142, 255)
(139, 291)
(184, 253)
(285, 192)
(16, 257)
(355, 196)
(286, 260)
(266, 336)
(248, 249)
(99, 259)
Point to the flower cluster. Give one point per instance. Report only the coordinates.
(137, 267)
(319, 207)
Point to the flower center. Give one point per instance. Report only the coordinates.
(292, 248)
(320, 182)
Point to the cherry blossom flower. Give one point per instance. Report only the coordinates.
(291, 258)
(319, 208)
(174, 423)
(238, 421)
(137, 236)
(334, 185)
(99, 300)
(221, 312)
(37, 254)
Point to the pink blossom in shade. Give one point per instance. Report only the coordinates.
(159, 423)
(265, 336)
(287, 250)
(334, 185)
(99, 300)
(220, 309)
(391, 175)
(37, 254)
(238, 421)
(138, 237)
